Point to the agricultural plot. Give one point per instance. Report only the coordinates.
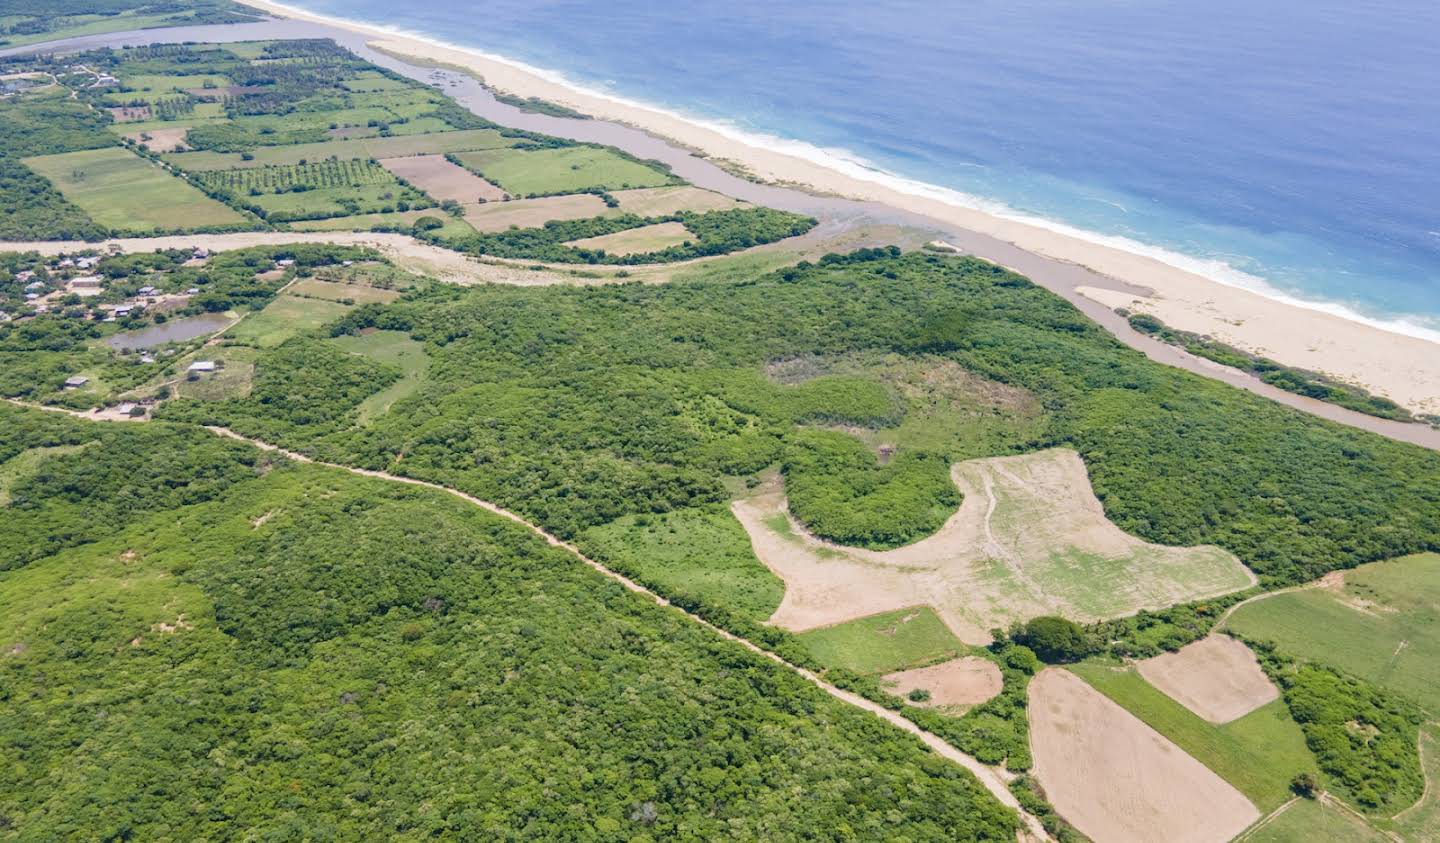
(233, 378)
(884, 643)
(663, 201)
(397, 349)
(322, 189)
(635, 241)
(532, 213)
(1216, 677)
(1116, 779)
(1029, 539)
(441, 180)
(283, 318)
(127, 193)
(1380, 622)
(1310, 820)
(525, 172)
(951, 686)
(162, 140)
(317, 288)
(451, 227)
(437, 143)
(1259, 754)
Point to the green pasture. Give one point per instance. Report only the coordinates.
(886, 642)
(397, 349)
(363, 148)
(568, 169)
(284, 318)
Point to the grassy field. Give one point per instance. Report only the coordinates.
(366, 222)
(1308, 821)
(564, 170)
(397, 349)
(231, 381)
(886, 642)
(1421, 823)
(284, 318)
(1259, 753)
(24, 464)
(649, 238)
(701, 551)
(1382, 625)
(363, 148)
(125, 192)
(344, 293)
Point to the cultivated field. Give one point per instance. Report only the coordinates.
(1029, 539)
(636, 241)
(1216, 677)
(954, 685)
(532, 213)
(123, 191)
(1119, 781)
(162, 140)
(1259, 754)
(316, 288)
(402, 219)
(662, 201)
(441, 179)
(1380, 622)
(283, 318)
(884, 643)
(363, 148)
(563, 170)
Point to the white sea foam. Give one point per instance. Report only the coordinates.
(856, 166)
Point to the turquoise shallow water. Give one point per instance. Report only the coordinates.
(1294, 140)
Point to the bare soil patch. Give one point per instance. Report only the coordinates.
(1119, 781)
(1216, 677)
(662, 201)
(162, 140)
(532, 213)
(129, 114)
(961, 682)
(636, 241)
(1029, 539)
(442, 180)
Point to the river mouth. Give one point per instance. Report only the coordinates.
(175, 330)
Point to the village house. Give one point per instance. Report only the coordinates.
(24, 275)
(85, 285)
(146, 291)
(202, 366)
(76, 381)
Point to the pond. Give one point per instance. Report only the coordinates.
(175, 330)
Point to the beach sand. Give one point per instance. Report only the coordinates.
(1315, 336)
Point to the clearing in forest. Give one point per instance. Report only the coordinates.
(532, 213)
(884, 643)
(638, 241)
(954, 685)
(123, 191)
(1116, 779)
(1380, 622)
(440, 179)
(1029, 539)
(283, 318)
(662, 201)
(1216, 677)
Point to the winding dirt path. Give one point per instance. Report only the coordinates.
(994, 779)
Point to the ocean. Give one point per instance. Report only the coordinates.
(1291, 146)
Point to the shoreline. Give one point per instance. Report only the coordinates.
(1204, 297)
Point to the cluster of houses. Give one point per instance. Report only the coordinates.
(42, 296)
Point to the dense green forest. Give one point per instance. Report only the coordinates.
(303, 653)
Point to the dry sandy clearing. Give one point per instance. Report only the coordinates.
(965, 681)
(437, 176)
(1216, 677)
(533, 213)
(636, 241)
(660, 201)
(1119, 781)
(162, 140)
(1029, 539)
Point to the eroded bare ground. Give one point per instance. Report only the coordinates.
(1216, 677)
(1029, 539)
(1119, 781)
(955, 684)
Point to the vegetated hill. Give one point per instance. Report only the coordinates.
(577, 406)
(230, 644)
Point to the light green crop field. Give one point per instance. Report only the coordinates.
(1259, 753)
(701, 552)
(167, 85)
(336, 201)
(564, 170)
(1310, 821)
(24, 464)
(341, 292)
(363, 148)
(886, 642)
(369, 82)
(1382, 625)
(119, 189)
(397, 349)
(284, 318)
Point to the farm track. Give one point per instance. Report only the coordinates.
(994, 779)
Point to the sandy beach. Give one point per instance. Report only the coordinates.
(1401, 367)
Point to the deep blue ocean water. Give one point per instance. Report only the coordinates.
(1295, 140)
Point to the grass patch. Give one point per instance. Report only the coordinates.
(699, 552)
(234, 380)
(362, 148)
(886, 642)
(397, 349)
(316, 288)
(284, 318)
(1383, 625)
(524, 172)
(648, 238)
(1259, 753)
(1309, 820)
(123, 191)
